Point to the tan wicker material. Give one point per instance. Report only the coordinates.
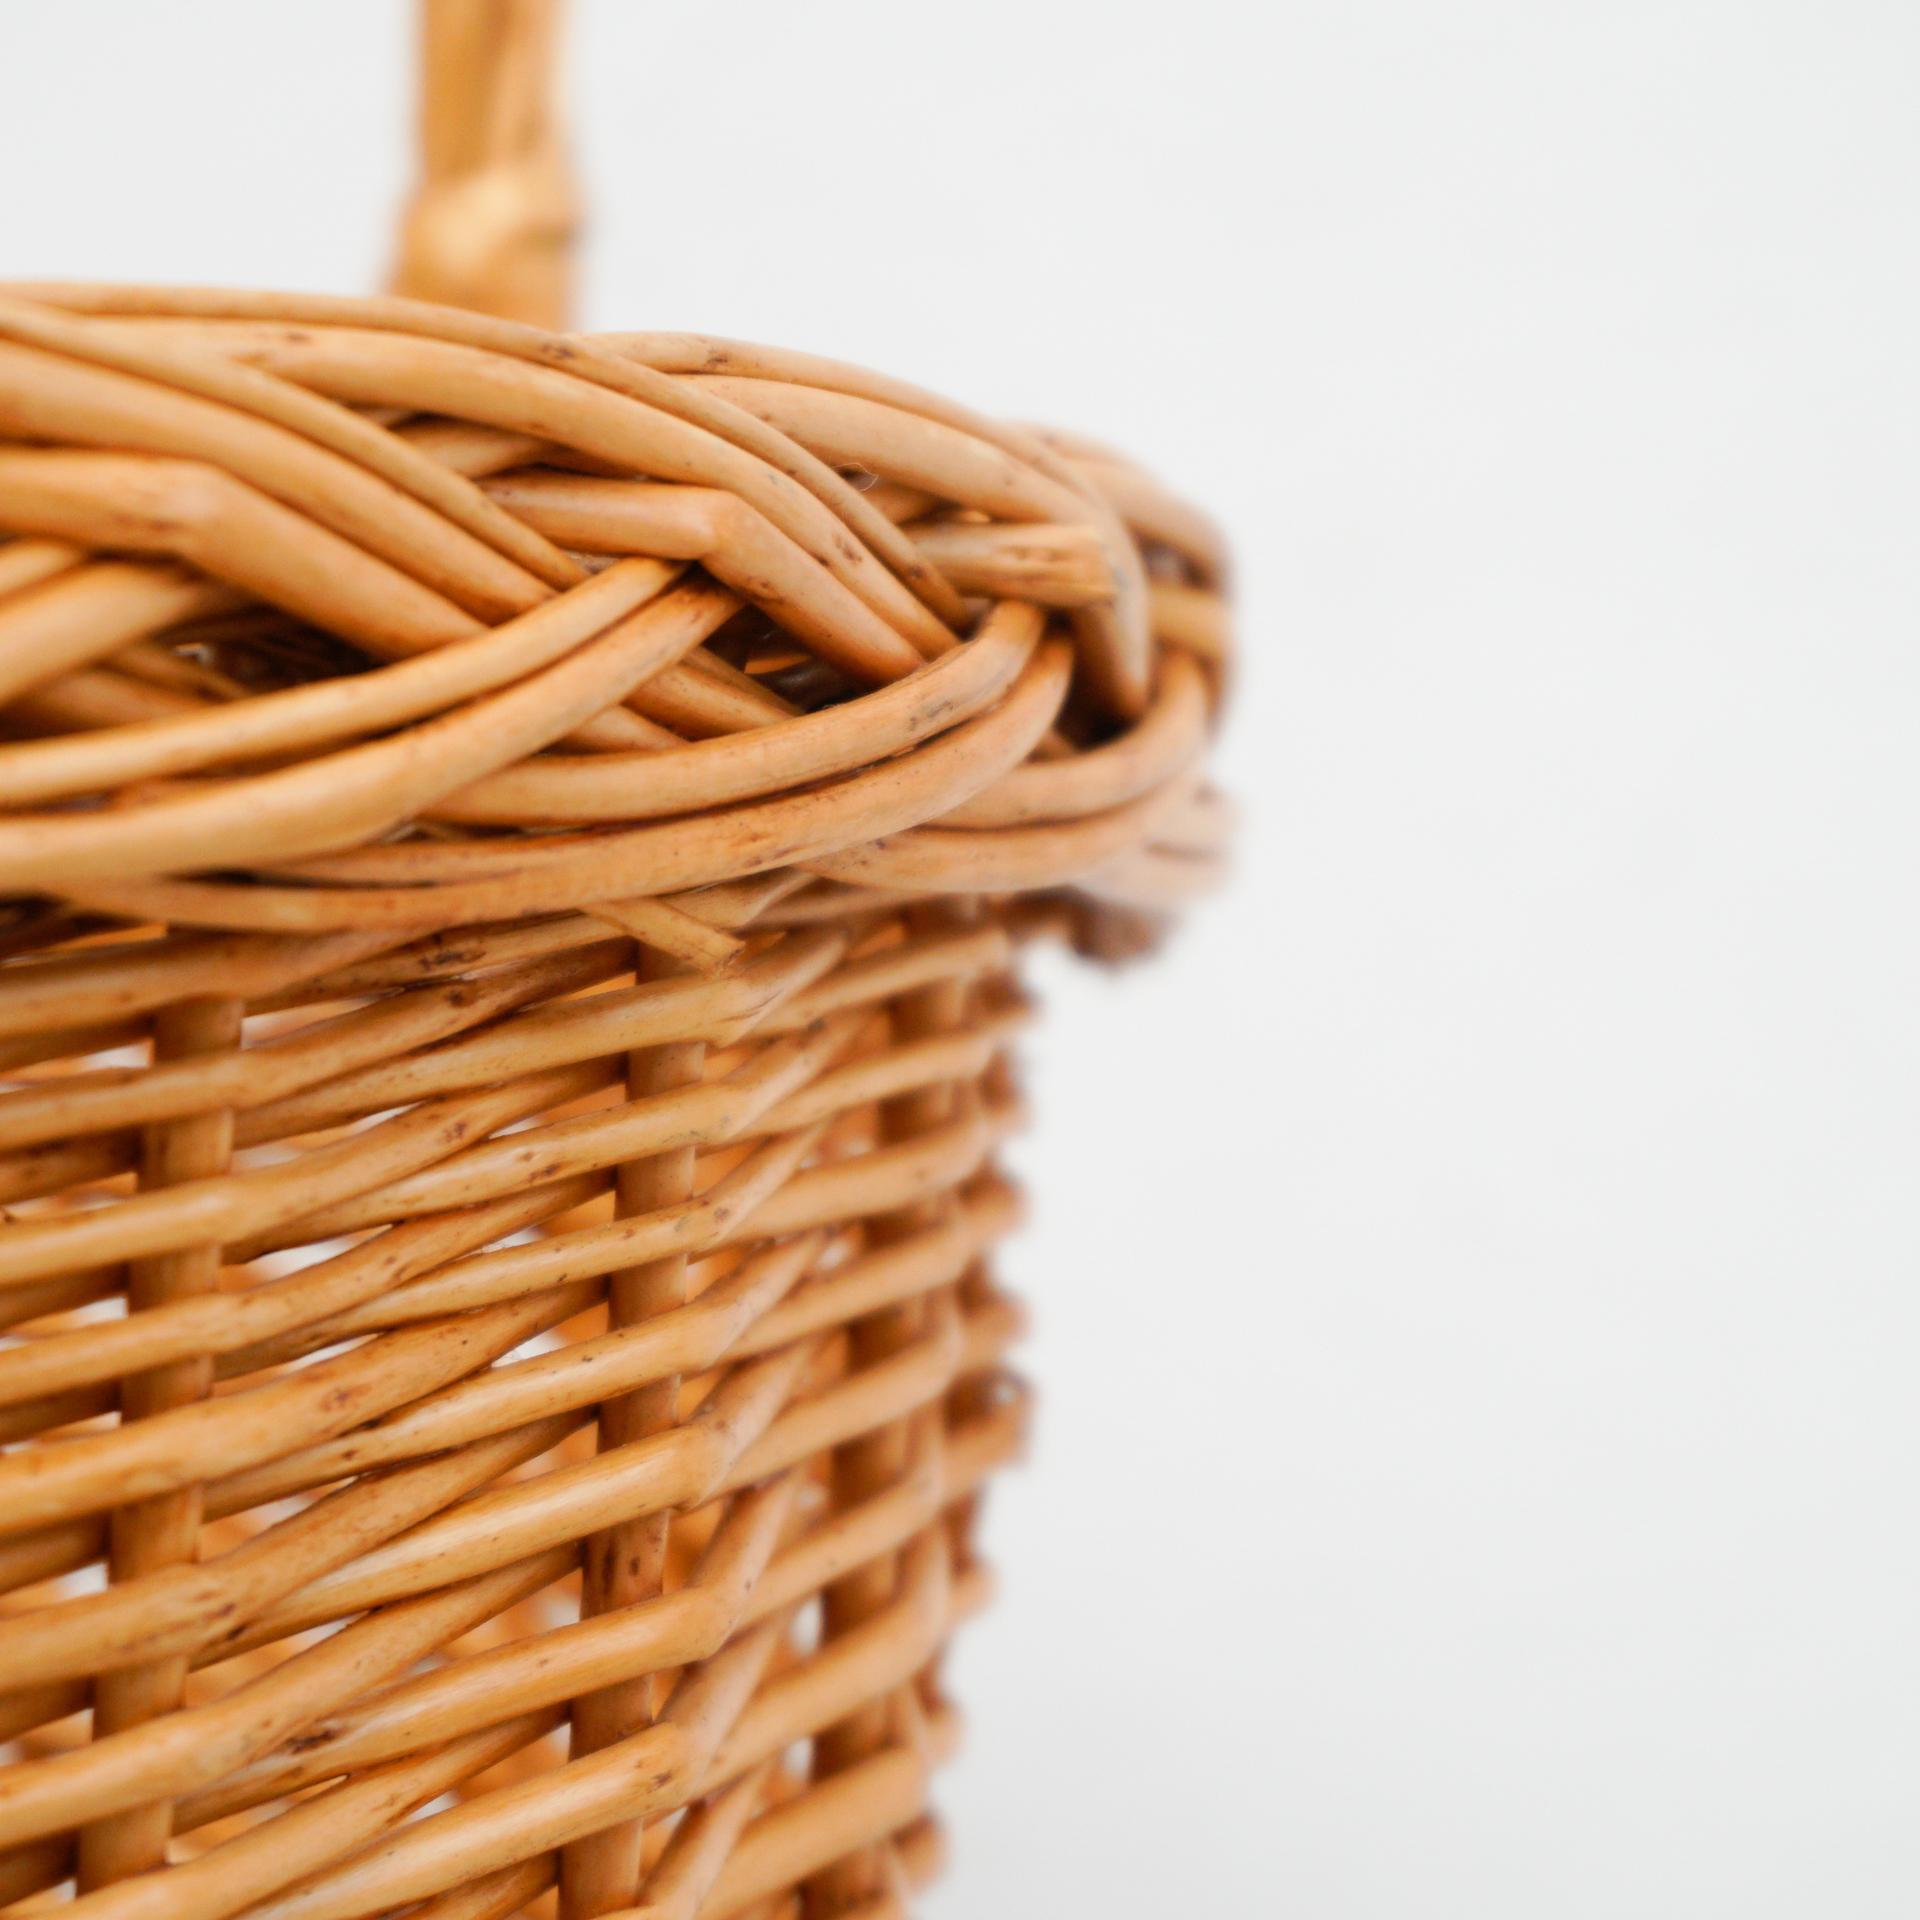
(515, 850)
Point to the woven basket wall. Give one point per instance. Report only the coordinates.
(515, 850)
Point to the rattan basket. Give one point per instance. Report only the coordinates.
(514, 852)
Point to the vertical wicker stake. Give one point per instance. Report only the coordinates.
(627, 1563)
(147, 1536)
(506, 1375)
(867, 1465)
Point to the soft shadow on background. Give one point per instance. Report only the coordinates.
(1473, 1274)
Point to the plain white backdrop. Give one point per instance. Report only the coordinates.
(1474, 1272)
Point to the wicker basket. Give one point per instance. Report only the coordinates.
(514, 851)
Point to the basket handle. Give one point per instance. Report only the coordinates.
(493, 215)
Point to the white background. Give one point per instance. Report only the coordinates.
(1474, 1272)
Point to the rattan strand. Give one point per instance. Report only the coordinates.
(515, 853)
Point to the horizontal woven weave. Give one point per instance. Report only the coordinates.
(514, 850)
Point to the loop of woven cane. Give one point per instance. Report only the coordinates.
(491, 224)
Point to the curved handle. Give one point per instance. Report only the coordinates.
(492, 219)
